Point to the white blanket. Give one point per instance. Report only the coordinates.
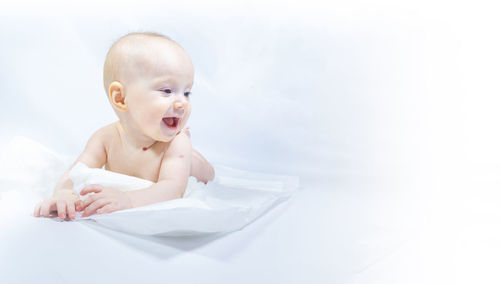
(234, 199)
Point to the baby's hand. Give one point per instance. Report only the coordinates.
(63, 203)
(186, 130)
(105, 200)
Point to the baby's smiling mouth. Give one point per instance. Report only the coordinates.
(171, 122)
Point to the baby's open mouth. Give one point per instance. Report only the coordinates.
(171, 122)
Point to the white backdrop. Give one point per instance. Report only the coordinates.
(386, 99)
(286, 87)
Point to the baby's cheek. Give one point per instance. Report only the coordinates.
(153, 116)
(185, 118)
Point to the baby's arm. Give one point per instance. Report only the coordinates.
(172, 182)
(201, 168)
(64, 199)
(173, 177)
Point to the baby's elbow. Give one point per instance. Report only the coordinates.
(211, 174)
(173, 189)
(179, 192)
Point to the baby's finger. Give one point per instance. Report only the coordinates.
(91, 188)
(47, 206)
(71, 210)
(61, 209)
(105, 209)
(95, 206)
(90, 199)
(79, 205)
(36, 213)
(186, 130)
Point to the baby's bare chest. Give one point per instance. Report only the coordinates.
(141, 164)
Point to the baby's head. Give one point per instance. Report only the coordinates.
(148, 79)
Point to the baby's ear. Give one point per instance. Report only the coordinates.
(117, 96)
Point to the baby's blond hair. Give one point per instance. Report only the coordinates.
(125, 53)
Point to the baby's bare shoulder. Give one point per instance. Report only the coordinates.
(176, 161)
(180, 145)
(95, 153)
(101, 139)
(106, 133)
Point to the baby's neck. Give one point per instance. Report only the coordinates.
(134, 138)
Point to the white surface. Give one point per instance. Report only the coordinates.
(320, 236)
(387, 110)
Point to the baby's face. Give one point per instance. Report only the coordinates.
(157, 95)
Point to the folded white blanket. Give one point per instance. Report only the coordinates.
(234, 199)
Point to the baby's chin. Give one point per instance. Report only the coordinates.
(165, 138)
(168, 136)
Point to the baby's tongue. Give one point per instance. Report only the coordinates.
(169, 121)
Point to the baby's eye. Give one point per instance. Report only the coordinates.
(167, 91)
(186, 94)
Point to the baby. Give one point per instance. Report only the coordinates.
(148, 79)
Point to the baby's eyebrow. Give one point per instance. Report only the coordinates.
(157, 82)
(163, 80)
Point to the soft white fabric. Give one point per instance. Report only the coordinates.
(234, 199)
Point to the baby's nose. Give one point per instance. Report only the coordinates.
(178, 105)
